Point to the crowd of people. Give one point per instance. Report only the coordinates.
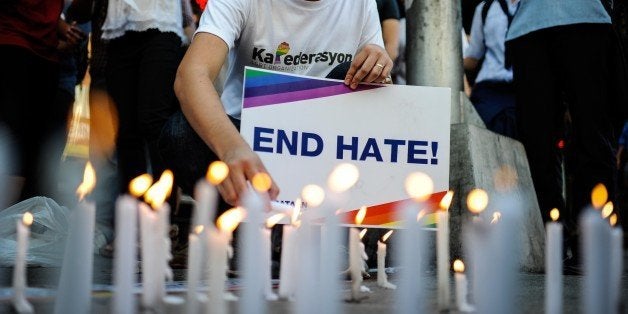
(155, 68)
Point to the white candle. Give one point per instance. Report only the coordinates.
(442, 255)
(306, 270)
(74, 294)
(251, 245)
(355, 263)
(617, 267)
(461, 288)
(554, 265)
(596, 251)
(330, 287)
(195, 256)
(218, 258)
(205, 206)
(287, 270)
(151, 243)
(382, 278)
(20, 303)
(125, 255)
(409, 296)
(356, 255)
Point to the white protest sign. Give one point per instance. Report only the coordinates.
(301, 127)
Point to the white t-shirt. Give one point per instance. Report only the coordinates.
(295, 36)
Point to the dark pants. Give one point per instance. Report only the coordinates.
(567, 68)
(141, 68)
(495, 103)
(30, 119)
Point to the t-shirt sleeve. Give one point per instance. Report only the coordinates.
(225, 19)
(476, 47)
(390, 10)
(371, 30)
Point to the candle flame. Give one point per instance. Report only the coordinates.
(27, 219)
(359, 217)
(613, 220)
(497, 216)
(262, 182)
(554, 214)
(419, 186)
(217, 172)
(477, 200)
(363, 232)
(458, 266)
(230, 219)
(89, 181)
(387, 235)
(343, 177)
(599, 196)
(274, 219)
(607, 210)
(140, 184)
(296, 211)
(421, 214)
(446, 201)
(158, 192)
(199, 229)
(313, 195)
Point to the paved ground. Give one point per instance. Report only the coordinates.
(530, 297)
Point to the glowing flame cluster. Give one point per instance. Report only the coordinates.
(217, 172)
(458, 266)
(419, 186)
(27, 219)
(89, 181)
(229, 220)
(343, 177)
(313, 195)
(477, 200)
(599, 196)
(154, 194)
(554, 214)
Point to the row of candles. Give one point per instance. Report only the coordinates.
(308, 276)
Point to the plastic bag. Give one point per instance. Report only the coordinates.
(48, 232)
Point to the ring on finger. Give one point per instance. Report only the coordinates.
(379, 65)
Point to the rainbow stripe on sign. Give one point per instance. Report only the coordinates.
(262, 88)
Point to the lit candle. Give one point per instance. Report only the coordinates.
(617, 264)
(20, 303)
(356, 258)
(382, 278)
(596, 251)
(195, 257)
(154, 231)
(461, 288)
(218, 258)
(442, 251)
(205, 194)
(287, 272)
(125, 255)
(554, 265)
(330, 286)
(74, 294)
(410, 294)
(475, 234)
(252, 246)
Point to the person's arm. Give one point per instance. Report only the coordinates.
(470, 64)
(390, 33)
(202, 107)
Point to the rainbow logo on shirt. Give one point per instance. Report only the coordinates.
(282, 49)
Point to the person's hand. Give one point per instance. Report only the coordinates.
(70, 33)
(371, 64)
(243, 164)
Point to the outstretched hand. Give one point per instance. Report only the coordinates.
(371, 64)
(243, 164)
